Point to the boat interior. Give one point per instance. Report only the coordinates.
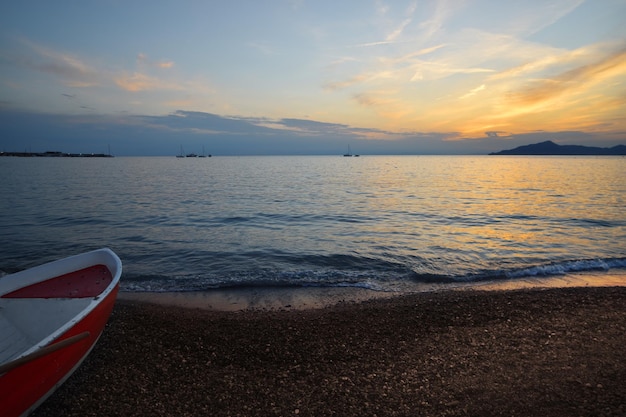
(24, 333)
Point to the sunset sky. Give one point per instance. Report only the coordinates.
(310, 76)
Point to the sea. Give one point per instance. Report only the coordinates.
(383, 223)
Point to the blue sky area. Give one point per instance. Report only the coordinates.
(310, 77)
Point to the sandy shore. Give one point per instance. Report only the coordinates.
(530, 352)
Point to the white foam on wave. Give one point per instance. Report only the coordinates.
(567, 267)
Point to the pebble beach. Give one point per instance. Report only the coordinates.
(527, 352)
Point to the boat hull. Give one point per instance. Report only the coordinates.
(26, 386)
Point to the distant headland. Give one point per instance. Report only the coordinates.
(551, 148)
(54, 154)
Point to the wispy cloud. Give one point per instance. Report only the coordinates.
(397, 32)
(435, 23)
(72, 70)
(375, 98)
(381, 7)
(473, 92)
(550, 13)
(585, 92)
(154, 75)
(573, 80)
(493, 75)
(375, 43)
(410, 56)
(338, 85)
(559, 58)
(142, 82)
(262, 47)
(143, 60)
(395, 68)
(149, 75)
(435, 70)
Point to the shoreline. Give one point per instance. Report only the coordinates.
(259, 299)
(524, 352)
(304, 298)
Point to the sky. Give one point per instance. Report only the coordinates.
(239, 77)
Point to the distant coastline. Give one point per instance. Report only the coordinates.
(54, 154)
(551, 148)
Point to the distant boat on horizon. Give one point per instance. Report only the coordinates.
(192, 155)
(204, 155)
(349, 154)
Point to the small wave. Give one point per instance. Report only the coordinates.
(563, 268)
(258, 279)
(378, 276)
(546, 270)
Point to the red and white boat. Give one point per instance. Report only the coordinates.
(50, 318)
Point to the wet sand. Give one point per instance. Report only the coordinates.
(523, 352)
(238, 299)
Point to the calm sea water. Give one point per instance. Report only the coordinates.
(390, 223)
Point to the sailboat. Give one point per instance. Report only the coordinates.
(349, 153)
(181, 154)
(204, 155)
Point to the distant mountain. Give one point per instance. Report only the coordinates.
(551, 148)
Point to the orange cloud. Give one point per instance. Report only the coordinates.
(165, 64)
(142, 82)
(136, 82)
(571, 81)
